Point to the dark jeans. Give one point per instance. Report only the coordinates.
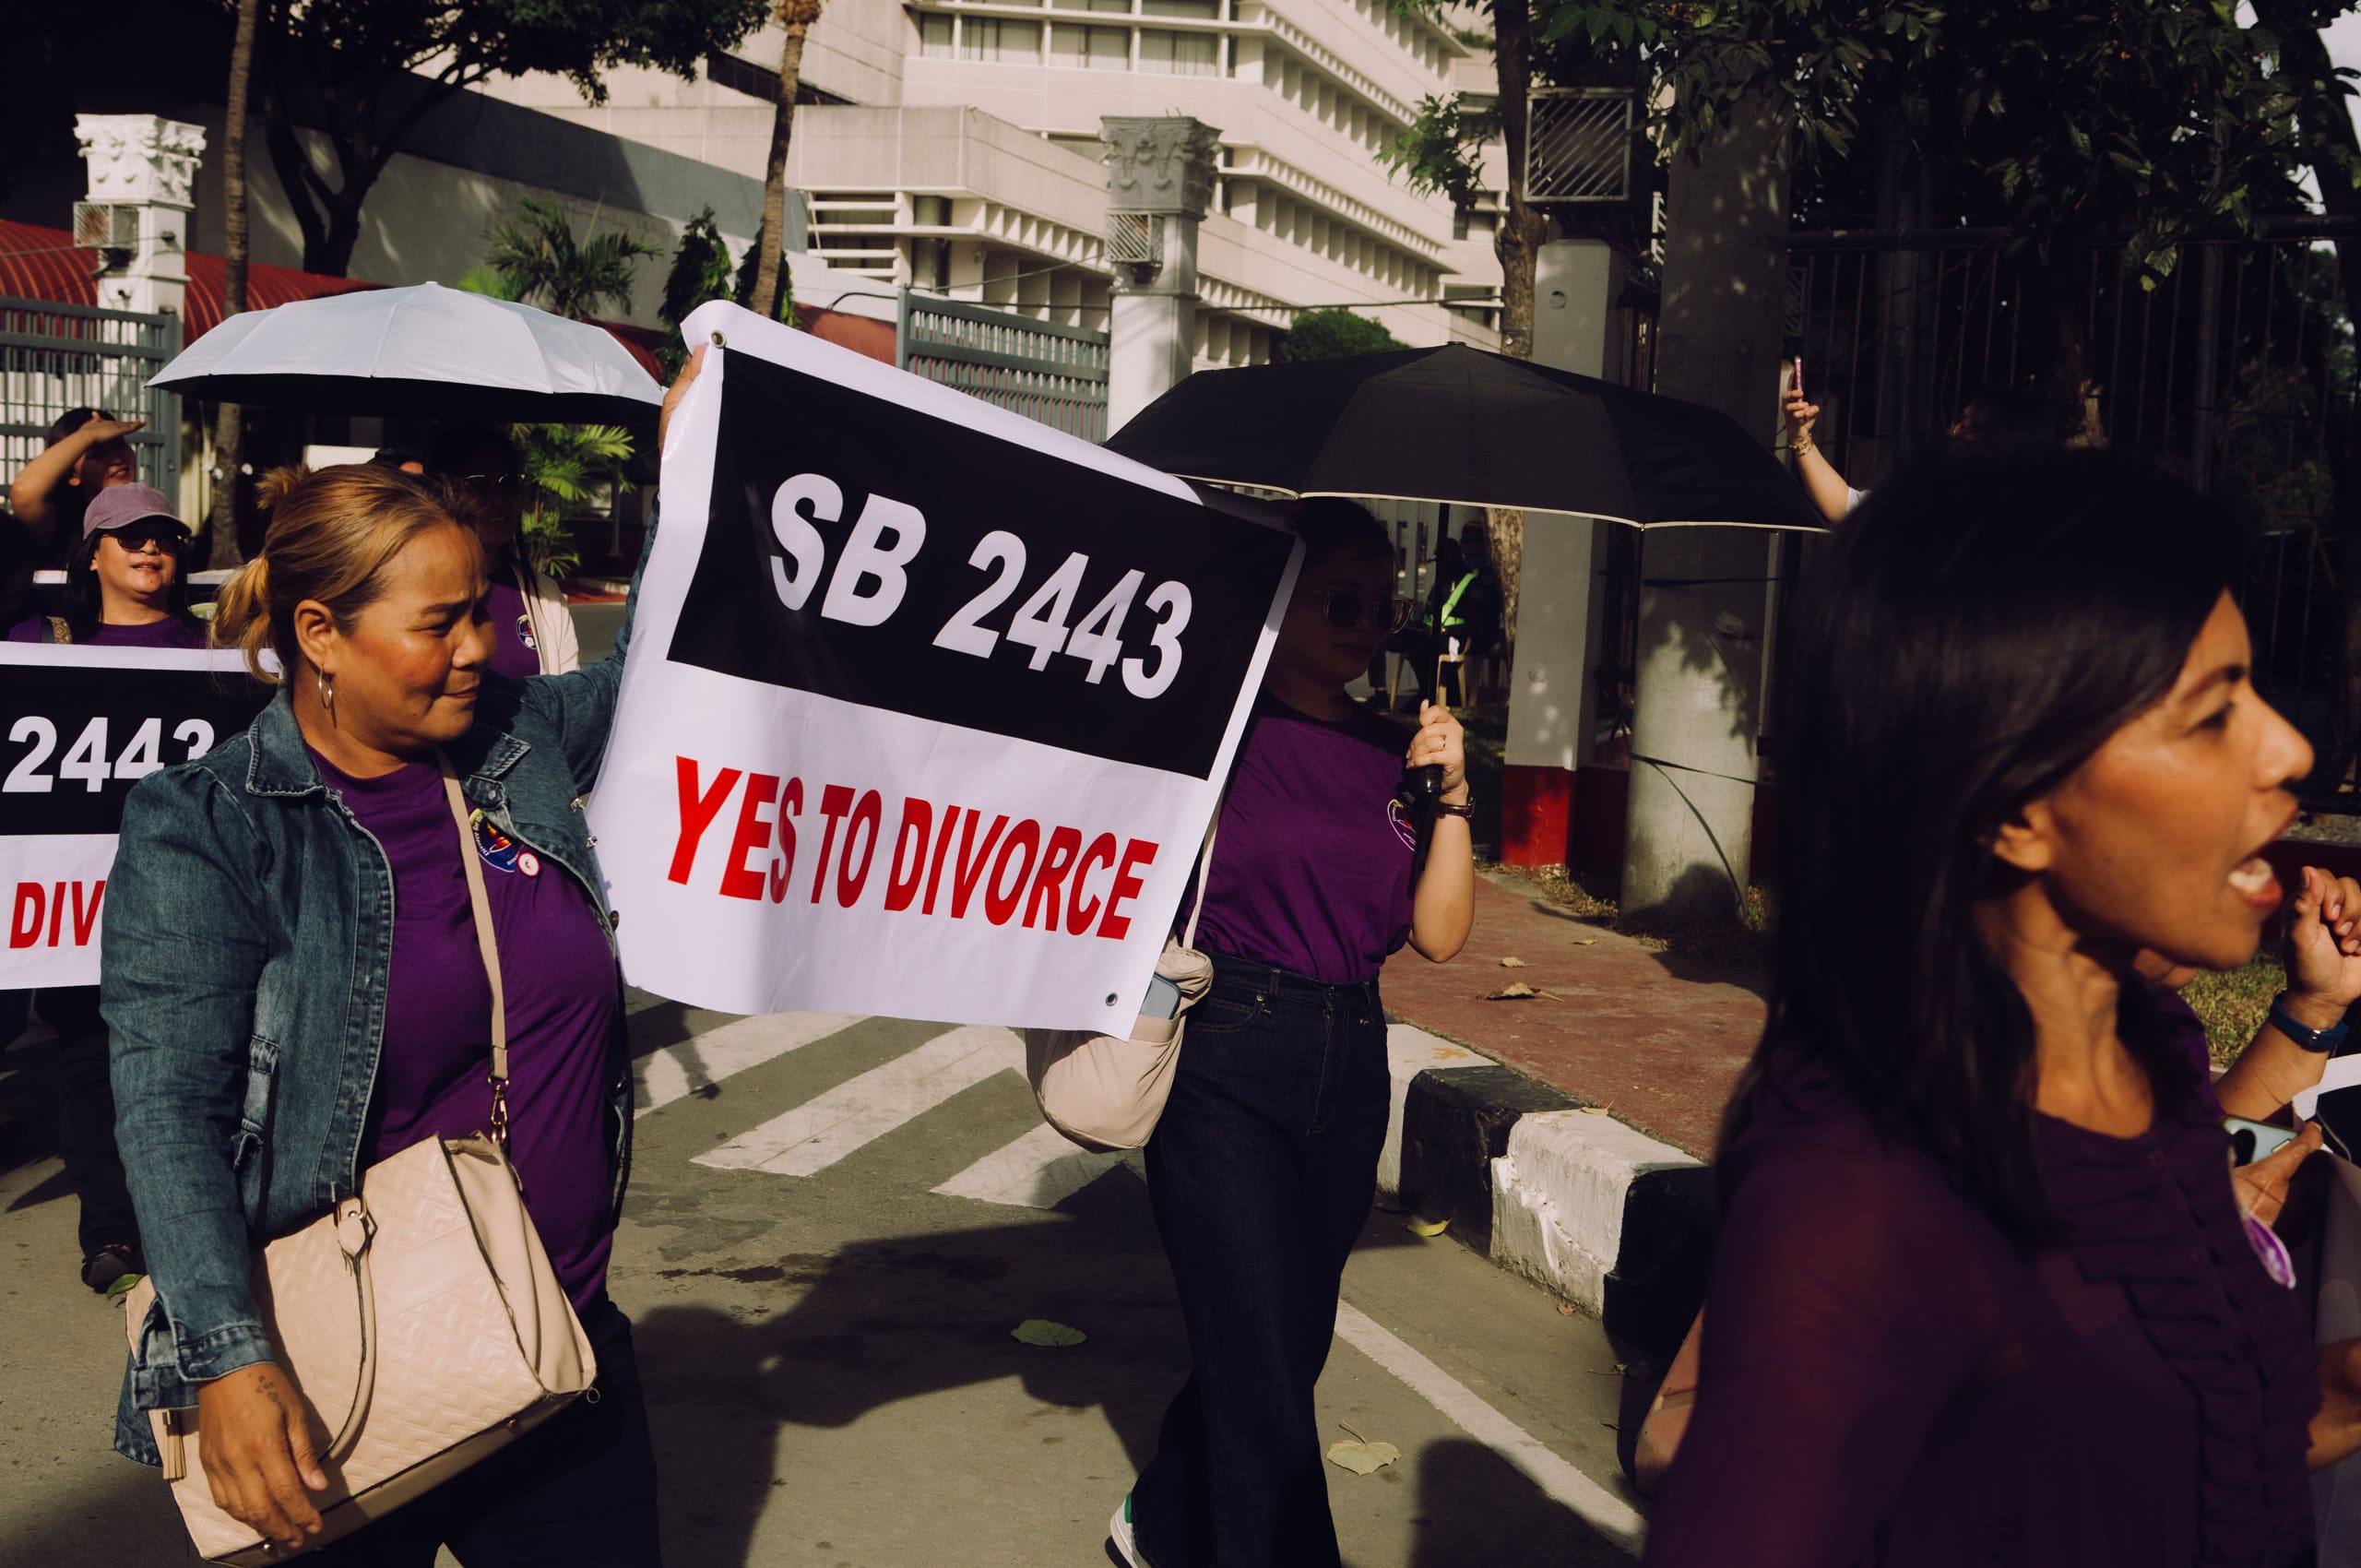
(86, 1119)
(1261, 1173)
(578, 1493)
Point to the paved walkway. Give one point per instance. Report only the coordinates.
(1658, 1039)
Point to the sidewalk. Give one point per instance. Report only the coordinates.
(1576, 1159)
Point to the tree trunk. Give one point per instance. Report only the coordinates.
(1517, 243)
(229, 428)
(796, 17)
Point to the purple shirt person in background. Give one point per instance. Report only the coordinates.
(560, 977)
(171, 632)
(512, 654)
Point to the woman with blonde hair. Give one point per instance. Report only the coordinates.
(292, 978)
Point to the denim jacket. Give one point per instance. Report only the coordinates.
(248, 937)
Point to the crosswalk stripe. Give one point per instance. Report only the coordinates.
(817, 1134)
(1040, 1170)
(694, 1066)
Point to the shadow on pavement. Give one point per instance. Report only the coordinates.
(1477, 1508)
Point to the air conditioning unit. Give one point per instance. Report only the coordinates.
(1135, 238)
(106, 225)
(1578, 145)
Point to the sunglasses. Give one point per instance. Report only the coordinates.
(494, 484)
(1348, 608)
(133, 538)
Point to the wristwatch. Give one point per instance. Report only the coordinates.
(2321, 1042)
(1466, 810)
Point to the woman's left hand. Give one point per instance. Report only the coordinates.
(1440, 740)
(2262, 1186)
(673, 394)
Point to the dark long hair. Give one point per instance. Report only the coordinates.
(1974, 633)
(86, 601)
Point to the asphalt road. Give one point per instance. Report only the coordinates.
(834, 1225)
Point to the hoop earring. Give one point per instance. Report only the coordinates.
(326, 689)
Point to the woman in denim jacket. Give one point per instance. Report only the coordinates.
(290, 974)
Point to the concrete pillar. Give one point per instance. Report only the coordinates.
(1553, 686)
(1690, 837)
(1160, 175)
(146, 163)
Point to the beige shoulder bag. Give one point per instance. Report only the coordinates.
(420, 1321)
(1106, 1091)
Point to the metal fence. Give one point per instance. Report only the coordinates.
(2237, 371)
(55, 357)
(1056, 374)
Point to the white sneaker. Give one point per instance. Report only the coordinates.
(1119, 1533)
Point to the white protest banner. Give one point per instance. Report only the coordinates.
(78, 727)
(928, 704)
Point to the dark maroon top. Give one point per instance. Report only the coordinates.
(1311, 865)
(173, 631)
(1888, 1379)
(511, 654)
(560, 977)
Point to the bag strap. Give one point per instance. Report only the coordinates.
(480, 907)
(1205, 869)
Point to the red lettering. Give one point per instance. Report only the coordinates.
(1065, 843)
(1080, 915)
(941, 845)
(698, 813)
(791, 802)
(84, 922)
(1000, 907)
(24, 922)
(964, 880)
(57, 911)
(834, 800)
(918, 819)
(739, 880)
(1138, 852)
(849, 878)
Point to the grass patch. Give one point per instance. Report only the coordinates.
(2234, 1003)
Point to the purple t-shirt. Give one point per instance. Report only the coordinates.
(173, 631)
(512, 655)
(1312, 864)
(560, 977)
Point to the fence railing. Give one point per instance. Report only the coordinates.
(56, 357)
(1046, 371)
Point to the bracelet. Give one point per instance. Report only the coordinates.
(1466, 810)
(2320, 1042)
(1801, 448)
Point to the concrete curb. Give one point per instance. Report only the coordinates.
(1617, 1222)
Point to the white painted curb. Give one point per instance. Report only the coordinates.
(1409, 1052)
(1558, 1198)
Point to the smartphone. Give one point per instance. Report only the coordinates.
(1795, 384)
(2250, 1141)
(1163, 999)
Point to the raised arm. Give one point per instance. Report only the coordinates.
(32, 493)
(1826, 487)
(2321, 952)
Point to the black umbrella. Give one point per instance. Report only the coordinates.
(1456, 424)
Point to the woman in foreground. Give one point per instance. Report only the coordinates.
(1985, 1291)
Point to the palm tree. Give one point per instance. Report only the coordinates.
(796, 17)
(563, 464)
(538, 255)
(229, 426)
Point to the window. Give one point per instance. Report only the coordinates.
(1208, 10)
(1458, 223)
(1004, 43)
(1090, 49)
(1124, 7)
(1179, 53)
(934, 37)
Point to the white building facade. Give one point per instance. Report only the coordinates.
(953, 147)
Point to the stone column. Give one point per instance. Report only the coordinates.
(147, 163)
(1690, 835)
(1160, 174)
(1553, 689)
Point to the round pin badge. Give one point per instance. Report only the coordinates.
(529, 863)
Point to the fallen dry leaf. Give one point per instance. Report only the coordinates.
(1426, 1227)
(1593, 1110)
(1565, 1309)
(1586, 942)
(1512, 963)
(1360, 1455)
(1517, 991)
(1041, 1331)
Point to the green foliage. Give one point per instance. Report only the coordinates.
(701, 271)
(745, 292)
(1439, 153)
(1332, 335)
(488, 280)
(565, 466)
(540, 259)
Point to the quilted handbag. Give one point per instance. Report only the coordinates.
(420, 1320)
(1107, 1092)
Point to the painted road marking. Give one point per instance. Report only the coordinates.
(815, 1134)
(1596, 1506)
(1040, 1170)
(696, 1064)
